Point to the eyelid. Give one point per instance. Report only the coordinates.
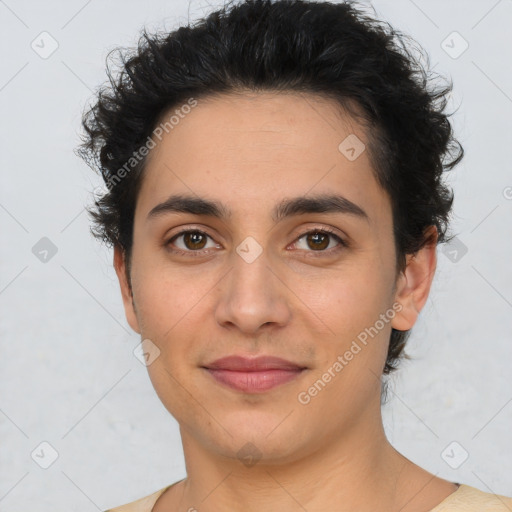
(342, 242)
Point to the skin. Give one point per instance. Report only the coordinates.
(250, 152)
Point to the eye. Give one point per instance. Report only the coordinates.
(193, 241)
(319, 240)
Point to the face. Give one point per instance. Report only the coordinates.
(299, 284)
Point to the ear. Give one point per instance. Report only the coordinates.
(414, 282)
(126, 292)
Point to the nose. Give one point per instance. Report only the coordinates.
(253, 297)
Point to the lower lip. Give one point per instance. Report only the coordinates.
(254, 382)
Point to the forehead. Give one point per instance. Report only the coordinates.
(256, 148)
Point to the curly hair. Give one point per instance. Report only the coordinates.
(333, 50)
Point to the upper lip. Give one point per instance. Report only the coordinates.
(252, 364)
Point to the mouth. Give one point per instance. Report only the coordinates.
(253, 375)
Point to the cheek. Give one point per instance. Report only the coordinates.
(354, 299)
(171, 311)
(164, 299)
(353, 310)
(351, 362)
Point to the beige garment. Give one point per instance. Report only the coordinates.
(464, 499)
(145, 504)
(470, 499)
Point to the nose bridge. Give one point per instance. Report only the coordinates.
(251, 295)
(250, 268)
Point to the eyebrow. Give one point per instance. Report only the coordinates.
(325, 203)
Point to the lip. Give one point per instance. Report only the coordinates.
(253, 375)
(252, 364)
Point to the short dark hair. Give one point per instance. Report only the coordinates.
(333, 50)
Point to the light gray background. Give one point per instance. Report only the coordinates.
(68, 374)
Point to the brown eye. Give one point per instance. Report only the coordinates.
(318, 240)
(194, 240)
(189, 241)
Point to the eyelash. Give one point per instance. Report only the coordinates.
(320, 253)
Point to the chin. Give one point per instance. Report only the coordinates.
(266, 439)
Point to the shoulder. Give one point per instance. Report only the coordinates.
(145, 504)
(471, 499)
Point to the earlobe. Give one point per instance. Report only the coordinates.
(126, 292)
(414, 282)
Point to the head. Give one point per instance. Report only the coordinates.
(303, 145)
